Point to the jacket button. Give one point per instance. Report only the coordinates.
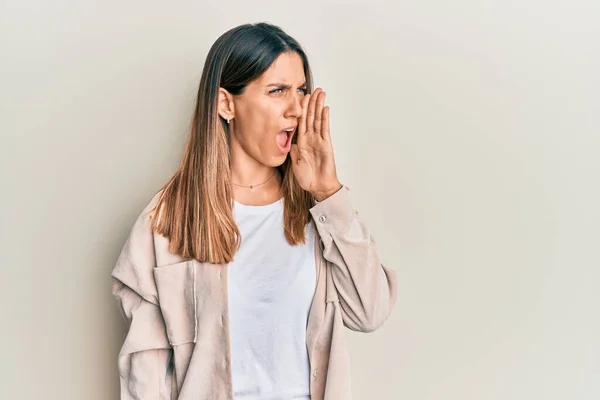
(322, 218)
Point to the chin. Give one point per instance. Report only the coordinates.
(277, 161)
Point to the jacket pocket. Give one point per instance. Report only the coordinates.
(176, 286)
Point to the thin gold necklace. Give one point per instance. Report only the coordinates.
(259, 184)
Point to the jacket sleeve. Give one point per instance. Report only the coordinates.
(366, 289)
(145, 360)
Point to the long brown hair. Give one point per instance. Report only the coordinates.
(194, 209)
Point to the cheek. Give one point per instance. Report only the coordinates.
(265, 121)
(252, 132)
(259, 122)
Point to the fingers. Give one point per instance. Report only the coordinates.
(302, 120)
(319, 112)
(325, 130)
(310, 113)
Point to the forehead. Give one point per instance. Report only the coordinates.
(287, 68)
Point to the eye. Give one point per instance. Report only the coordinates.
(279, 90)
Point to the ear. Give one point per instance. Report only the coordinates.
(225, 104)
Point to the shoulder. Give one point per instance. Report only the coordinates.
(141, 238)
(136, 262)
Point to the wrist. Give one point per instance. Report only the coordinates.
(323, 194)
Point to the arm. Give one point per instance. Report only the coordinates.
(367, 289)
(144, 362)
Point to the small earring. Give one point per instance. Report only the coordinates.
(227, 120)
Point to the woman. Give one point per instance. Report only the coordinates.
(237, 278)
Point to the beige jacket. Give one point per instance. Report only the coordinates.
(177, 346)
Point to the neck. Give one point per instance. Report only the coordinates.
(246, 171)
(258, 177)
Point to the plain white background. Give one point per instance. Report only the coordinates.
(469, 132)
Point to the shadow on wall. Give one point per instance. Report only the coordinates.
(112, 320)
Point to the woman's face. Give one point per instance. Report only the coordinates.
(268, 106)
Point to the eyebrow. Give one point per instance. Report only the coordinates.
(283, 85)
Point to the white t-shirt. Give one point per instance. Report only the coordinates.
(270, 287)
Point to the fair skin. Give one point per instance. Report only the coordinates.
(269, 104)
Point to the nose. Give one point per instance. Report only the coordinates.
(294, 109)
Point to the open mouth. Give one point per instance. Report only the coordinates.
(284, 139)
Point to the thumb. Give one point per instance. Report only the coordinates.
(294, 153)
